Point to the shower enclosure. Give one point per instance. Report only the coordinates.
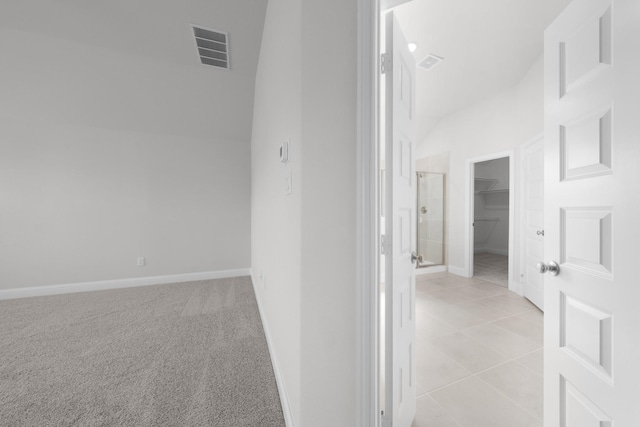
(430, 217)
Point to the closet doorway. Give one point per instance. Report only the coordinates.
(490, 236)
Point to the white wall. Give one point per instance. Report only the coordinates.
(304, 243)
(503, 122)
(276, 217)
(107, 156)
(329, 303)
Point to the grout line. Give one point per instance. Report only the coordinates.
(528, 368)
(511, 400)
(455, 420)
(539, 346)
(495, 299)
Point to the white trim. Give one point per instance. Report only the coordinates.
(38, 291)
(458, 271)
(367, 216)
(523, 213)
(282, 390)
(516, 287)
(431, 270)
(470, 169)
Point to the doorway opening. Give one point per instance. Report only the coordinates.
(491, 218)
(491, 221)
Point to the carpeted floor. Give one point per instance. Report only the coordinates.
(189, 354)
(491, 268)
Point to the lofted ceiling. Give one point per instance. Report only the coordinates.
(143, 54)
(487, 47)
(157, 29)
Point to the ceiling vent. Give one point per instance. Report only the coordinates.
(213, 47)
(430, 62)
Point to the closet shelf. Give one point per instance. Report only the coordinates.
(483, 184)
(487, 218)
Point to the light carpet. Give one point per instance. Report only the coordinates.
(491, 268)
(188, 354)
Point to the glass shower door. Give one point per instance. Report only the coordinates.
(431, 203)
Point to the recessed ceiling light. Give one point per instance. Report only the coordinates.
(412, 46)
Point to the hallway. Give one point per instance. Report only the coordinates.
(479, 355)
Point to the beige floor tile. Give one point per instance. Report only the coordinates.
(449, 296)
(534, 316)
(434, 369)
(524, 328)
(473, 403)
(522, 386)
(430, 286)
(429, 327)
(482, 290)
(429, 305)
(510, 303)
(430, 414)
(431, 276)
(468, 353)
(453, 316)
(501, 340)
(533, 361)
(482, 311)
(420, 391)
(452, 280)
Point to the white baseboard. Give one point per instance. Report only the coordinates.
(282, 391)
(458, 271)
(516, 286)
(431, 270)
(39, 291)
(502, 252)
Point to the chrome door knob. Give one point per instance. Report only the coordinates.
(415, 257)
(552, 268)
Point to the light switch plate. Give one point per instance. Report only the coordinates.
(284, 152)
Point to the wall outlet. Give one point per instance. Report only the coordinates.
(141, 261)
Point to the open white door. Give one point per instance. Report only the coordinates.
(400, 386)
(533, 220)
(592, 204)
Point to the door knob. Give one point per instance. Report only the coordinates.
(553, 268)
(423, 210)
(540, 233)
(415, 257)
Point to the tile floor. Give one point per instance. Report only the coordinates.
(479, 355)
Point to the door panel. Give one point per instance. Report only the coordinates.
(592, 183)
(401, 204)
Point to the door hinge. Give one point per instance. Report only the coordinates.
(385, 245)
(386, 61)
(384, 420)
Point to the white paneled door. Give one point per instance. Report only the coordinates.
(533, 220)
(400, 328)
(592, 209)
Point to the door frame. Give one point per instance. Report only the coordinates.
(469, 213)
(367, 213)
(523, 213)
